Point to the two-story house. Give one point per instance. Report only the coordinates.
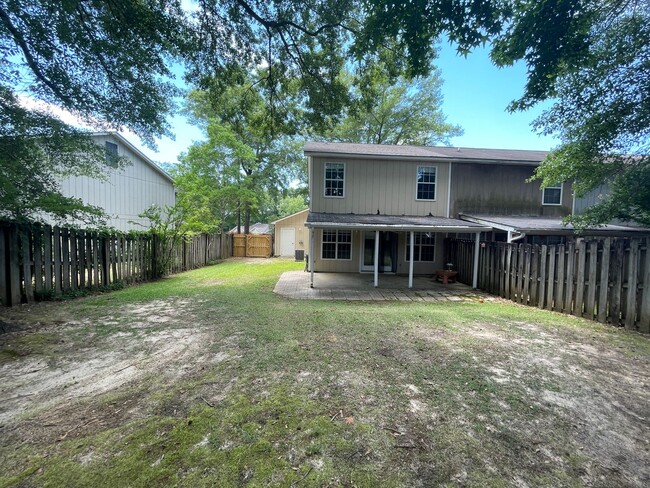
(387, 209)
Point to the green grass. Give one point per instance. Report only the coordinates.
(320, 393)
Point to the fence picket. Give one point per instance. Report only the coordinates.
(604, 281)
(551, 278)
(617, 282)
(542, 276)
(633, 269)
(47, 257)
(570, 286)
(559, 293)
(4, 284)
(644, 314)
(591, 287)
(580, 278)
(38, 261)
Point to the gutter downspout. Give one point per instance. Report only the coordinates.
(477, 245)
(512, 239)
(449, 192)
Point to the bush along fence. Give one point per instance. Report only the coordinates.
(39, 262)
(607, 280)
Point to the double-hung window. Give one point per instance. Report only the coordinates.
(426, 183)
(552, 195)
(337, 244)
(424, 246)
(335, 180)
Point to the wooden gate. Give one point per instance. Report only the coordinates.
(252, 245)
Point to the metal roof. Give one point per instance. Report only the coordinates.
(457, 154)
(545, 225)
(390, 222)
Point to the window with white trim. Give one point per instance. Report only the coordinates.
(552, 195)
(424, 249)
(426, 183)
(337, 244)
(335, 180)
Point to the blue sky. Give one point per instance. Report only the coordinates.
(476, 95)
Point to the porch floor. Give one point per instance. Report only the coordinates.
(360, 286)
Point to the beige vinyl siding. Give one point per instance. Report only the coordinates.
(354, 265)
(501, 189)
(127, 191)
(297, 222)
(378, 185)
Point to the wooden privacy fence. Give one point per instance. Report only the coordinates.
(200, 250)
(252, 245)
(607, 280)
(37, 262)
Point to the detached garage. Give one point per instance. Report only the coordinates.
(291, 235)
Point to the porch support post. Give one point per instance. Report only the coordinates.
(477, 245)
(311, 258)
(376, 258)
(411, 254)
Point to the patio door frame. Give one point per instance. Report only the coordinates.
(393, 250)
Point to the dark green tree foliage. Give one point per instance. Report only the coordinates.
(249, 158)
(591, 56)
(302, 43)
(603, 118)
(105, 62)
(395, 111)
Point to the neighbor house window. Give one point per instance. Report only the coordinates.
(426, 182)
(337, 244)
(335, 180)
(424, 246)
(552, 195)
(110, 153)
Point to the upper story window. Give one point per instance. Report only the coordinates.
(335, 180)
(426, 181)
(110, 153)
(552, 195)
(337, 244)
(424, 248)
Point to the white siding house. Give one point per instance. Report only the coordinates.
(129, 190)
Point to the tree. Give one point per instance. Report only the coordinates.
(250, 154)
(105, 62)
(399, 111)
(603, 118)
(589, 55)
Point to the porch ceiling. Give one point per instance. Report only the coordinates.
(318, 220)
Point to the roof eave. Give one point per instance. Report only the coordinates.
(445, 159)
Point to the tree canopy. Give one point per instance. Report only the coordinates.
(399, 111)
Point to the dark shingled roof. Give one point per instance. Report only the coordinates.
(340, 220)
(385, 151)
(547, 225)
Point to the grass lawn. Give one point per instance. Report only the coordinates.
(209, 379)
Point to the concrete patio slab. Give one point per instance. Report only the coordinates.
(360, 286)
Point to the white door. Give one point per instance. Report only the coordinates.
(287, 241)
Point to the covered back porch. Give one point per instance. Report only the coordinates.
(408, 248)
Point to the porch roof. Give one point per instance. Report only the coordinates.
(349, 221)
(548, 225)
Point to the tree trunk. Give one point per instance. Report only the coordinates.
(247, 221)
(239, 218)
